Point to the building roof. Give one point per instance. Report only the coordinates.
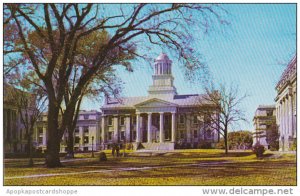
(131, 102)
(288, 73)
(267, 106)
(162, 57)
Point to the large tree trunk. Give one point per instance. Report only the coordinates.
(70, 144)
(71, 127)
(226, 142)
(53, 143)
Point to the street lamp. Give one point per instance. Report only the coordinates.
(93, 147)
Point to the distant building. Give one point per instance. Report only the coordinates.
(87, 129)
(265, 117)
(286, 102)
(163, 120)
(14, 135)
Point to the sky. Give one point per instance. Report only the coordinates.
(252, 51)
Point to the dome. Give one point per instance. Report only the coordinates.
(162, 57)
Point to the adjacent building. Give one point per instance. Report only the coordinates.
(163, 120)
(14, 133)
(265, 117)
(86, 134)
(286, 103)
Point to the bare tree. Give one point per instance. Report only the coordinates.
(61, 27)
(224, 108)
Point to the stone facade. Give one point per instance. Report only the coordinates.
(86, 134)
(265, 116)
(163, 120)
(286, 112)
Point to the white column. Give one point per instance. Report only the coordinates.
(173, 130)
(81, 142)
(188, 127)
(44, 136)
(149, 134)
(290, 116)
(286, 117)
(283, 117)
(103, 129)
(294, 114)
(138, 134)
(116, 129)
(127, 128)
(161, 127)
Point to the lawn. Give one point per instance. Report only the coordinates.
(180, 167)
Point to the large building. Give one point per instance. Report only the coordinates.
(286, 102)
(163, 120)
(86, 134)
(14, 133)
(265, 117)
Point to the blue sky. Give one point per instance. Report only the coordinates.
(252, 51)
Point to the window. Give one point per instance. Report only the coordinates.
(21, 134)
(110, 120)
(207, 120)
(270, 113)
(40, 140)
(40, 130)
(195, 134)
(122, 120)
(123, 135)
(86, 129)
(195, 119)
(85, 149)
(85, 116)
(209, 133)
(133, 119)
(77, 130)
(86, 139)
(110, 135)
(182, 134)
(77, 139)
(181, 119)
(133, 135)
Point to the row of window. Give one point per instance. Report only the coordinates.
(181, 120)
(85, 117)
(85, 139)
(85, 129)
(208, 134)
(122, 135)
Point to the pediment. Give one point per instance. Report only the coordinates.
(155, 103)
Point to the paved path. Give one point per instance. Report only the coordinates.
(120, 169)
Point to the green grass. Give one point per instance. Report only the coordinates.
(172, 168)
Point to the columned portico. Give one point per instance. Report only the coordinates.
(161, 127)
(151, 121)
(149, 133)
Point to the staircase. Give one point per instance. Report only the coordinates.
(157, 146)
